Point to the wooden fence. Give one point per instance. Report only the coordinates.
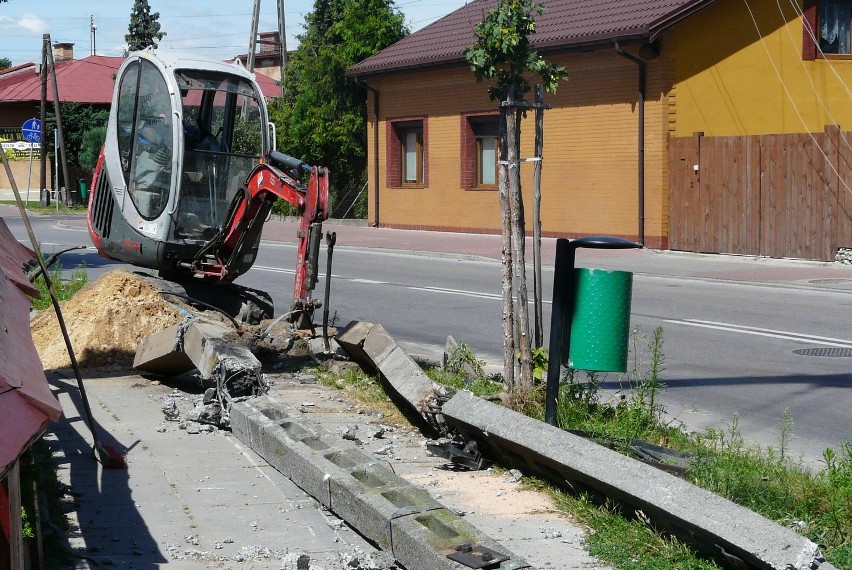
(771, 195)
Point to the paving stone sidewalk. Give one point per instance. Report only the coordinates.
(198, 498)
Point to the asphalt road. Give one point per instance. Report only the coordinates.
(729, 347)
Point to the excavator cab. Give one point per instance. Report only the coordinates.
(183, 136)
(187, 177)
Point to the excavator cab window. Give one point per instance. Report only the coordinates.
(145, 138)
(223, 141)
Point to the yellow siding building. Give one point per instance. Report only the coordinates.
(722, 68)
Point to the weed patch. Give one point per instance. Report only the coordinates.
(766, 480)
(63, 288)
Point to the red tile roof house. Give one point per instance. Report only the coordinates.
(622, 151)
(26, 401)
(89, 80)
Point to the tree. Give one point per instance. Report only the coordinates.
(77, 119)
(322, 116)
(5, 63)
(144, 28)
(90, 148)
(502, 51)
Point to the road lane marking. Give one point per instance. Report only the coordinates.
(771, 333)
(440, 290)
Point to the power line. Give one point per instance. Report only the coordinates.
(791, 99)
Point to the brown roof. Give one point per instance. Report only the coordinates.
(565, 24)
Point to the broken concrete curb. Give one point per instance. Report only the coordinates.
(194, 344)
(373, 348)
(713, 524)
(365, 492)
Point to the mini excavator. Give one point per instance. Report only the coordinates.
(188, 176)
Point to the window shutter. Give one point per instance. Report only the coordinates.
(809, 30)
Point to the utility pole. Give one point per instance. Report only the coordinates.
(92, 30)
(44, 195)
(282, 38)
(60, 131)
(255, 17)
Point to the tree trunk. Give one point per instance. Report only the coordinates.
(506, 260)
(518, 239)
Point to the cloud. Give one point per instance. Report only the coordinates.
(33, 24)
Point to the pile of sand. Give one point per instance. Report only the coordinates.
(105, 321)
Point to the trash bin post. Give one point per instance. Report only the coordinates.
(562, 308)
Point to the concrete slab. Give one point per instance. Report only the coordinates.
(523, 520)
(713, 524)
(206, 346)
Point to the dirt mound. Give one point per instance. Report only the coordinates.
(105, 320)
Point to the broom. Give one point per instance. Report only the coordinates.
(106, 455)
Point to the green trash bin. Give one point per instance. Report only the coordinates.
(84, 190)
(600, 320)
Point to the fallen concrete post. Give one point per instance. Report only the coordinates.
(162, 352)
(372, 347)
(203, 345)
(385, 508)
(714, 525)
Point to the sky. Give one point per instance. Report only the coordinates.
(216, 28)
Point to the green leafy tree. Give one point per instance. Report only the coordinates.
(90, 147)
(144, 28)
(503, 52)
(77, 119)
(5, 63)
(322, 116)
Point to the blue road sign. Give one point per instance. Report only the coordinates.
(32, 131)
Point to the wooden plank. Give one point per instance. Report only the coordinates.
(769, 178)
(751, 245)
(684, 221)
(16, 529)
(842, 234)
(708, 196)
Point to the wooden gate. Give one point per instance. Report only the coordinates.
(784, 195)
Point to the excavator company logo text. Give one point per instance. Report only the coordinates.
(132, 246)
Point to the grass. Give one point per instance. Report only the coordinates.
(63, 288)
(361, 387)
(765, 479)
(34, 206)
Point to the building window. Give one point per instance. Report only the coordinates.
(826, 29)
(407, 157)
(834, 18)
(412, 156)
(480, 149)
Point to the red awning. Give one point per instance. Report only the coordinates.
(26, 402)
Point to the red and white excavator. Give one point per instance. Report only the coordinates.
(188, 175)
